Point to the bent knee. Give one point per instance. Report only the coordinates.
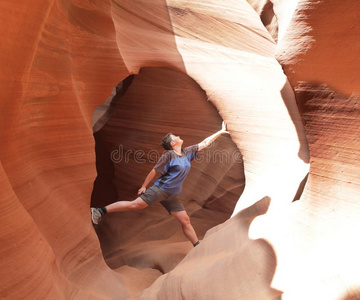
(184, 220)
(138, 204)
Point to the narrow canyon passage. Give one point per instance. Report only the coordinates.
(128, 135)
(284, 75)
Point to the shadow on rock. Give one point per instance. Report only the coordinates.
(226, 265)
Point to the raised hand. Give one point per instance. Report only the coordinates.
(223, 127)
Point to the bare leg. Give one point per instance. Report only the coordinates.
(138, 203)
(187, 228)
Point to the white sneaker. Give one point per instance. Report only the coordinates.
(96, 214)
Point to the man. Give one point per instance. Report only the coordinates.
(173, 167)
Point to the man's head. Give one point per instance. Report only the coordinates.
(166, 141)
(170, 140)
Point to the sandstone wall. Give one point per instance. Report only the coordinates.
(130, 141)
(60, 59)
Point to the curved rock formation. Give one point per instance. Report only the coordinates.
(320, 45)
(235, 65)
(62, 58)
(319, 53)
(161, 100)
(57, 65)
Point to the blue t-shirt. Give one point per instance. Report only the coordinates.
(174, 169)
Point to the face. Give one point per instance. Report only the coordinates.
(176, 140)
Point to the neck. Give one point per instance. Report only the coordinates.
(177, 149)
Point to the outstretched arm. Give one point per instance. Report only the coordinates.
(213, 137)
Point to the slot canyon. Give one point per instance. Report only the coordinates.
(89, 89)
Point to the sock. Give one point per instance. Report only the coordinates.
(104, 210)
(197, 243)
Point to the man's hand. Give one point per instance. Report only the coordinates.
(141, 190)
(213, 137)
(147, 181)
(223, 127)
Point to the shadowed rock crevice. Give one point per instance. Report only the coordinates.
(103, 112)
(301, 188)
(269, 19)
(295, 114)
(339, 142)
(157, 101)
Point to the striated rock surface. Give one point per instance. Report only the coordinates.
(320, 45)
(59, 60)
(130, 141)
(220, 60)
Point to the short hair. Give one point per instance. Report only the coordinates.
(166, 141)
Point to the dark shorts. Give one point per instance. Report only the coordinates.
(154, 195)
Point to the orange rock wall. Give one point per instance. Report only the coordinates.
(130, 140)
(62, 58)
(58, 60)
(319, 53)
(320, 45)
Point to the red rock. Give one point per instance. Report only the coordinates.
(61, 59)
(131, 142)
(55, 70)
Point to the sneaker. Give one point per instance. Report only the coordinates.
(96, 214)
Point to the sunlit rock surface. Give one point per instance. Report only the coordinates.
(61, 59)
